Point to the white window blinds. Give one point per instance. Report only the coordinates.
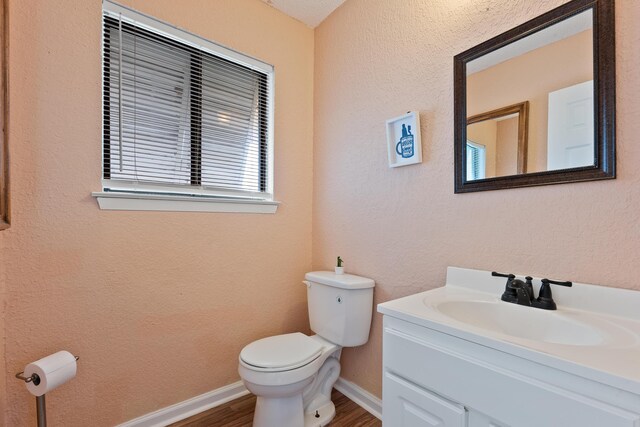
(178, 118)
(476, 161)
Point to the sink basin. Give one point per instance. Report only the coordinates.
(526, 322)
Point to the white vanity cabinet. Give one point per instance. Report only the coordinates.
(433, 378)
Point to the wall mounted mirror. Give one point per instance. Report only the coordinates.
(536, 105)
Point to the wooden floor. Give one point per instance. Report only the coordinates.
(239, 413)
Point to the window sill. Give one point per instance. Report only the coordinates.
(117, 201)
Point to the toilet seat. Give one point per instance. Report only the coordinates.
(286, 375)
(281, 352)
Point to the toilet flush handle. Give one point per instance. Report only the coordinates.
(306, 282)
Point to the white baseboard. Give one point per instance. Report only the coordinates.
(190, 407)
(195, 405)
(360, 396)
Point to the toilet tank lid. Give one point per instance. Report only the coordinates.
(344, 281)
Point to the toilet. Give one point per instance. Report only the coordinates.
(292, 375)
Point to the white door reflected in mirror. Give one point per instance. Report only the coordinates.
(570, 139)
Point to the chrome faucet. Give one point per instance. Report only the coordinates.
(521, 292)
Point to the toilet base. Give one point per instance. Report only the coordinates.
(282, 412)
(325, 414)
(280, 404)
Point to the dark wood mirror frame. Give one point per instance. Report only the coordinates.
(4, 109)
(604, 100)
(522, 109)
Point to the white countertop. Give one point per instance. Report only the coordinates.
(614, 312)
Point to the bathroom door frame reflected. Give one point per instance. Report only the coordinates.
(522, 109)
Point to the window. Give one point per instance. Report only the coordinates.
(476, 160)
(182, 116)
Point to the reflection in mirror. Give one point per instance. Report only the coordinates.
(552, 70)
(497, 142)
(562, 63)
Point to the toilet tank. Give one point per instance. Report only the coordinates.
(340, 306)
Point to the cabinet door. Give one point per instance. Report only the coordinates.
(407, 405)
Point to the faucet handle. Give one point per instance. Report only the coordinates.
(510, 293)
(545, 289)
(509, 276)
(545, 299)
(555, 282)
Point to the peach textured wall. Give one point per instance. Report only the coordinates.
(507, 147)
(404, 226)
(530, 77)
(158, 305)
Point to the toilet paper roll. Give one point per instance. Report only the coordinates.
(53, 370)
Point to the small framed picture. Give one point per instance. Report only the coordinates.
(403, 140)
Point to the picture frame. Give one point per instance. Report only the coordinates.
(404, 146)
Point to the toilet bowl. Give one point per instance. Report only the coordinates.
(292, 375)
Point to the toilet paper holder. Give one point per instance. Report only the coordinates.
(33, 378)
(40, 403)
